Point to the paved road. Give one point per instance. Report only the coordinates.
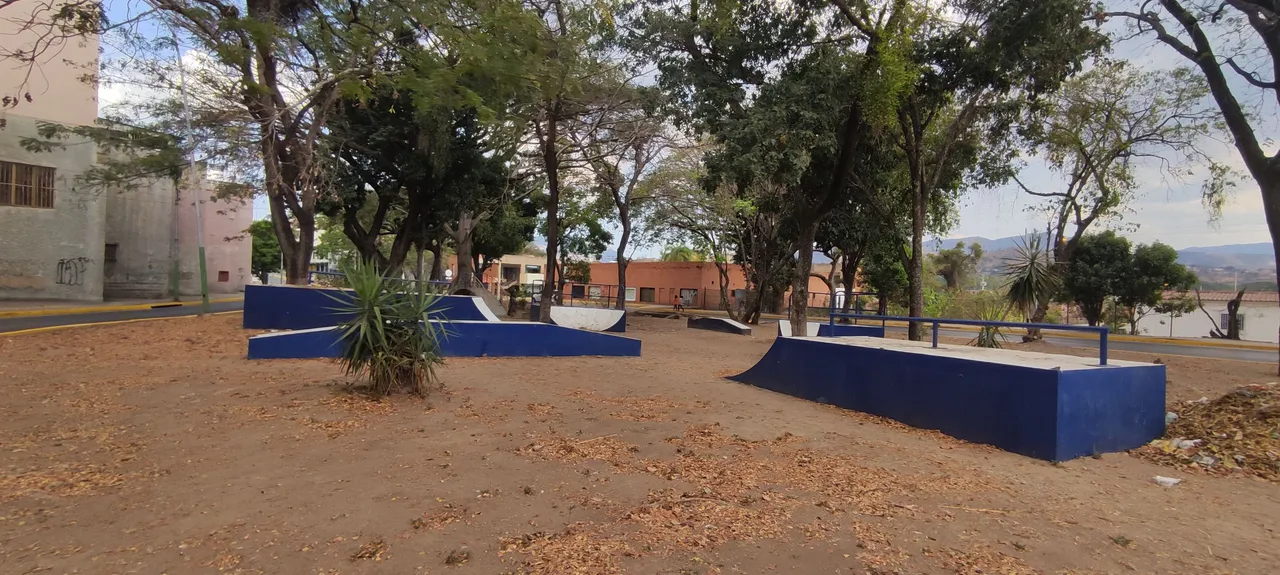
(1138, 346)
(20, 323)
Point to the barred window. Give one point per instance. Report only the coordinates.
(26, 185)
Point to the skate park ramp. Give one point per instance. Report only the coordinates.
(720, 324)
(463, 339)
(1045, 406)
(590, 318)
(296, 307)
(820, 329)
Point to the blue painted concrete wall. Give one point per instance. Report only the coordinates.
(287, 307)
(463, 339)
(1042, 413)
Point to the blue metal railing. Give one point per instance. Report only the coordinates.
(1101, 331)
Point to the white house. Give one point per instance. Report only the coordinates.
(1259, 316)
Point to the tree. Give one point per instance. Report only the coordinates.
(955, 265)
(1233, 317)
(1154, 270)
(623, 149)
(1106, 124)
(1239, 36)
(709, 219)
(680, 254)
(1175, 308)
(266, 249)
(883, 273)
(1098, 270)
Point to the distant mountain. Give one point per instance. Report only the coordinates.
(1262, 248)
(1233, 256)
(988, 245)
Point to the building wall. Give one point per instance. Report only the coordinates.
(140, 227)
(228, 245)
(1261, 322)
(668, 279)
(52, 253)
(57, 82)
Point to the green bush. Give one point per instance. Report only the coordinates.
(388, 342)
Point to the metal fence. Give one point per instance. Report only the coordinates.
(884, 319)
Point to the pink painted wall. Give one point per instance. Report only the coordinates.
(228, 245)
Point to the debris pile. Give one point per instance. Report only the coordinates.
(1238, 432)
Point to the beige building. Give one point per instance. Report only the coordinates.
(61, 239)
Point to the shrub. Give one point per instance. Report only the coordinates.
(388, 341)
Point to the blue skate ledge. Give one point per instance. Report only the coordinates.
(1044, 406)
(294, 307)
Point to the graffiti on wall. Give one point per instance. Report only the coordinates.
(72, 271)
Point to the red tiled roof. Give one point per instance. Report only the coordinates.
(1249, 296)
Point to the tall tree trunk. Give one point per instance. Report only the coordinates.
(417, 270)
(1270, 185)
(848, 279)
(462, 236)
(437, 260)
(551, 164)
(723, 269)
(915, 268)
(625, 238)
(800, 280)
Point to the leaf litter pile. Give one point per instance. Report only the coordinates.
(1238, 432)
(727, 488)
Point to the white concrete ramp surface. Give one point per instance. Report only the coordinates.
(590, 318)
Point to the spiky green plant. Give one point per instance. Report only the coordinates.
(1032, 278)
(990, 309)
(388, 340)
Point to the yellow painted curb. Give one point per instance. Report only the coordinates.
(104, 308)
(137, 320)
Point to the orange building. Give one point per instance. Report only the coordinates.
(697, 284)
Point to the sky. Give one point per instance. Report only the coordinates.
(1164, 210)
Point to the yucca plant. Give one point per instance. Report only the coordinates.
(388, 340)
(1032, 278)
(990, 309)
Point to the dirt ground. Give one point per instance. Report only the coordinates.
(156, 447)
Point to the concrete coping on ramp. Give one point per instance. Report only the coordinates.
(818, 329)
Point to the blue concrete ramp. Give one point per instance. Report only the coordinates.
(463, 339)
(1045, 406)
(297, 307)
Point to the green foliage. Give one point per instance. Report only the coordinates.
(1032, 279)
(990, 308)
(1104, 266)
(266, 249)
(883, 273)
(677, 253)
(1097, 270)
(577, 271)
(388, 342)
(955, 265)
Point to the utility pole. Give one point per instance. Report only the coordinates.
(191, 174)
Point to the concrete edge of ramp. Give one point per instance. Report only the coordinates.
(841, 329)
(590, 318)
(1038, 410)
(720, 324)
(300, 307)
(462, 339)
